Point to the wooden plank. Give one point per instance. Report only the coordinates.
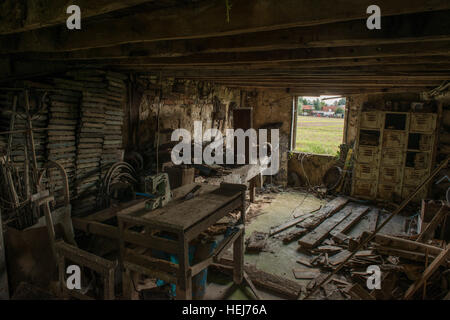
(294, 235)
(373, 214)
(304, 261)
(404, 244)
(426, 234)
(84, 258)
(205, 20)
(327, 210)
(305, 273)
(263, 280)
(256, 242)
(351, 220)
(359, 293)
(437, 262)
(339, 257)
(315, 237)
(36, 14)
(275, 230)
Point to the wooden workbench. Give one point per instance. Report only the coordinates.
(183, 221)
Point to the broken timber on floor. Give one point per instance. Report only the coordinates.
(404, 248)
(359, 293)
(294, 235)
(316, 236)
(256, 242)
(266, 281)
(427, 232)
(357, 213)
(437, 262)
(326, 211)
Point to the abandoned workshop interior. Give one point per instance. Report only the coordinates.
(183, 150)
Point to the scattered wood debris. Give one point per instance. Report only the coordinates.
(256, 242)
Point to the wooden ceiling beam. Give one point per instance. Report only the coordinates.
(329, 76)
(341, 84)
(362, 52)
(207, 19)
(421, 27)
(318, 90)
(391, 63)
(19, 16)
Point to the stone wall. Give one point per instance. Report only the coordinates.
(180, 103)
(273, 107)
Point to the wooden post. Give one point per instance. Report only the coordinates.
(61, 272)
(438, 217)
(4, 289)
(109, 285)
(252, 190)
(184, 285)
(238, 248)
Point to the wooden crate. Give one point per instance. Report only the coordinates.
(364, 188)
(388, 191)
(366, 171)
(426, 142)
(371, 120)
(422, 160)
(367, 154)
(407, 190)
(394, 139)
(390, 174)
(392, 157)
(423, 122)
(413, 177)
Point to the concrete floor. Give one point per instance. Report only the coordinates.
(281, 209)
(278, 258)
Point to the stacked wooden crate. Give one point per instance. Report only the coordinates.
(394, 153)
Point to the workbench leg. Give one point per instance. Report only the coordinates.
(238, 247)
(61, 272)
(109, 285)
(184, 285)
(252, 190)
(129, 280)
(238, 258)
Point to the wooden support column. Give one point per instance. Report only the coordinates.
(4, 290)
(252, 189)
(238, 248)
(184, 285)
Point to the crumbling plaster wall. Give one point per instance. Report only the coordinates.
(270, 107)
(180, 103)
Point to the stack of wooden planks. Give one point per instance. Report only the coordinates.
(83, 130)
(99, 130)
(64, 106)
(112, 145)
